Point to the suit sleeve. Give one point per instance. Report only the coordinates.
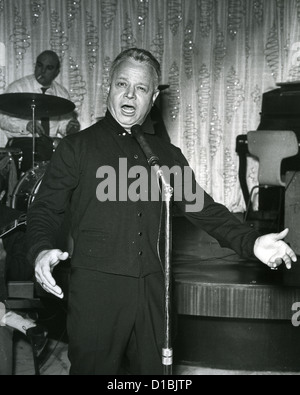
(47, 212)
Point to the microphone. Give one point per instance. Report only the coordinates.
(138, 134)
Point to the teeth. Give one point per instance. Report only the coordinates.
(128, 109)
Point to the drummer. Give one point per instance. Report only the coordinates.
(47, 68)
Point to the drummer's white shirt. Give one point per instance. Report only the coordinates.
(16, 127)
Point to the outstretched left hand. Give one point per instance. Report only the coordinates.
(273, 251)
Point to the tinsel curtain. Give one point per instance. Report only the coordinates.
(217, 56)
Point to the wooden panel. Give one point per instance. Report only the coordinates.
(292, 209)
(232, 300)
(20, 289)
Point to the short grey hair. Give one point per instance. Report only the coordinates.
(139, 55)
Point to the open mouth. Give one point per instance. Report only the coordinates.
(128, 110)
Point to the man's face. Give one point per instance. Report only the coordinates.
(46, 69)
(132, 93)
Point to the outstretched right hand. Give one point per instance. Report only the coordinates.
(44, 265)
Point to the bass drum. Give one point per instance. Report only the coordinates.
(28, 186)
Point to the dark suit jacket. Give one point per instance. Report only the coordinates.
(117, 236)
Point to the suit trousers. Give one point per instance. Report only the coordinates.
(115, 323)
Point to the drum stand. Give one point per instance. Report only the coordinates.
(33, 107)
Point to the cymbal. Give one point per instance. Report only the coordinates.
(20, 105)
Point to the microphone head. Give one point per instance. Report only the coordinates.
(136, 130)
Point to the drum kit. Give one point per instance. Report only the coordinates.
(32, 106)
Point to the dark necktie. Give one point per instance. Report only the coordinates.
(45, 120)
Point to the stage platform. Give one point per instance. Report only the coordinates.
(233, 314)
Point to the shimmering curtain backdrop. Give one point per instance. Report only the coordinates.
(217, 56)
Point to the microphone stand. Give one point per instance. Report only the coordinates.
(167, 192)
(167, 351)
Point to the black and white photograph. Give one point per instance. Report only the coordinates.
(149, 190)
